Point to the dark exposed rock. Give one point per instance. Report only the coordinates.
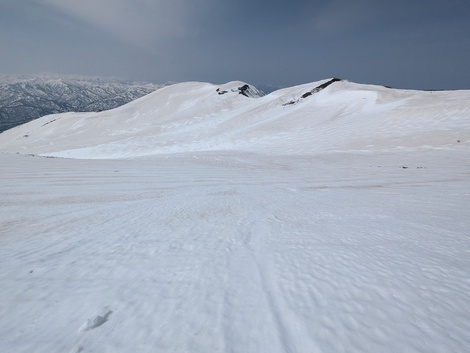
(313, 91)
(49, 122)
(245, 90)
(250, 91)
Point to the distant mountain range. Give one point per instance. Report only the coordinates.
(26, 98)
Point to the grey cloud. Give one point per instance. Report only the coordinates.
(339, 16)
(139, 22)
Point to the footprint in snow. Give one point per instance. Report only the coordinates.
(95, 322)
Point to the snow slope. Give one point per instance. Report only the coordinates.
(196, 117)
(338, 223)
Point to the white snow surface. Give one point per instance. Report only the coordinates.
(199, 222)
(192, 116)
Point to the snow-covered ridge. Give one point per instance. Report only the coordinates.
(320, 116)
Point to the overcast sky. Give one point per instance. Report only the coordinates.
(421, 44)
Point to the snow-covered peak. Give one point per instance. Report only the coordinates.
(239, 87)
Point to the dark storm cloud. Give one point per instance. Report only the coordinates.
(419, 44)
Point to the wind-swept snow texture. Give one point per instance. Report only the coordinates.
(339, 223)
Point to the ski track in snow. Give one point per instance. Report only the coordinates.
(235, 252)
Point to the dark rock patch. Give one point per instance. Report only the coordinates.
(49, 122)
(313, 91)
(243, 90)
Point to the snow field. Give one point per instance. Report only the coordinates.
(193, 221)
(236, 252)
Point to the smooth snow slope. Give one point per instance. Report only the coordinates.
(195, 117)
(338, 223)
